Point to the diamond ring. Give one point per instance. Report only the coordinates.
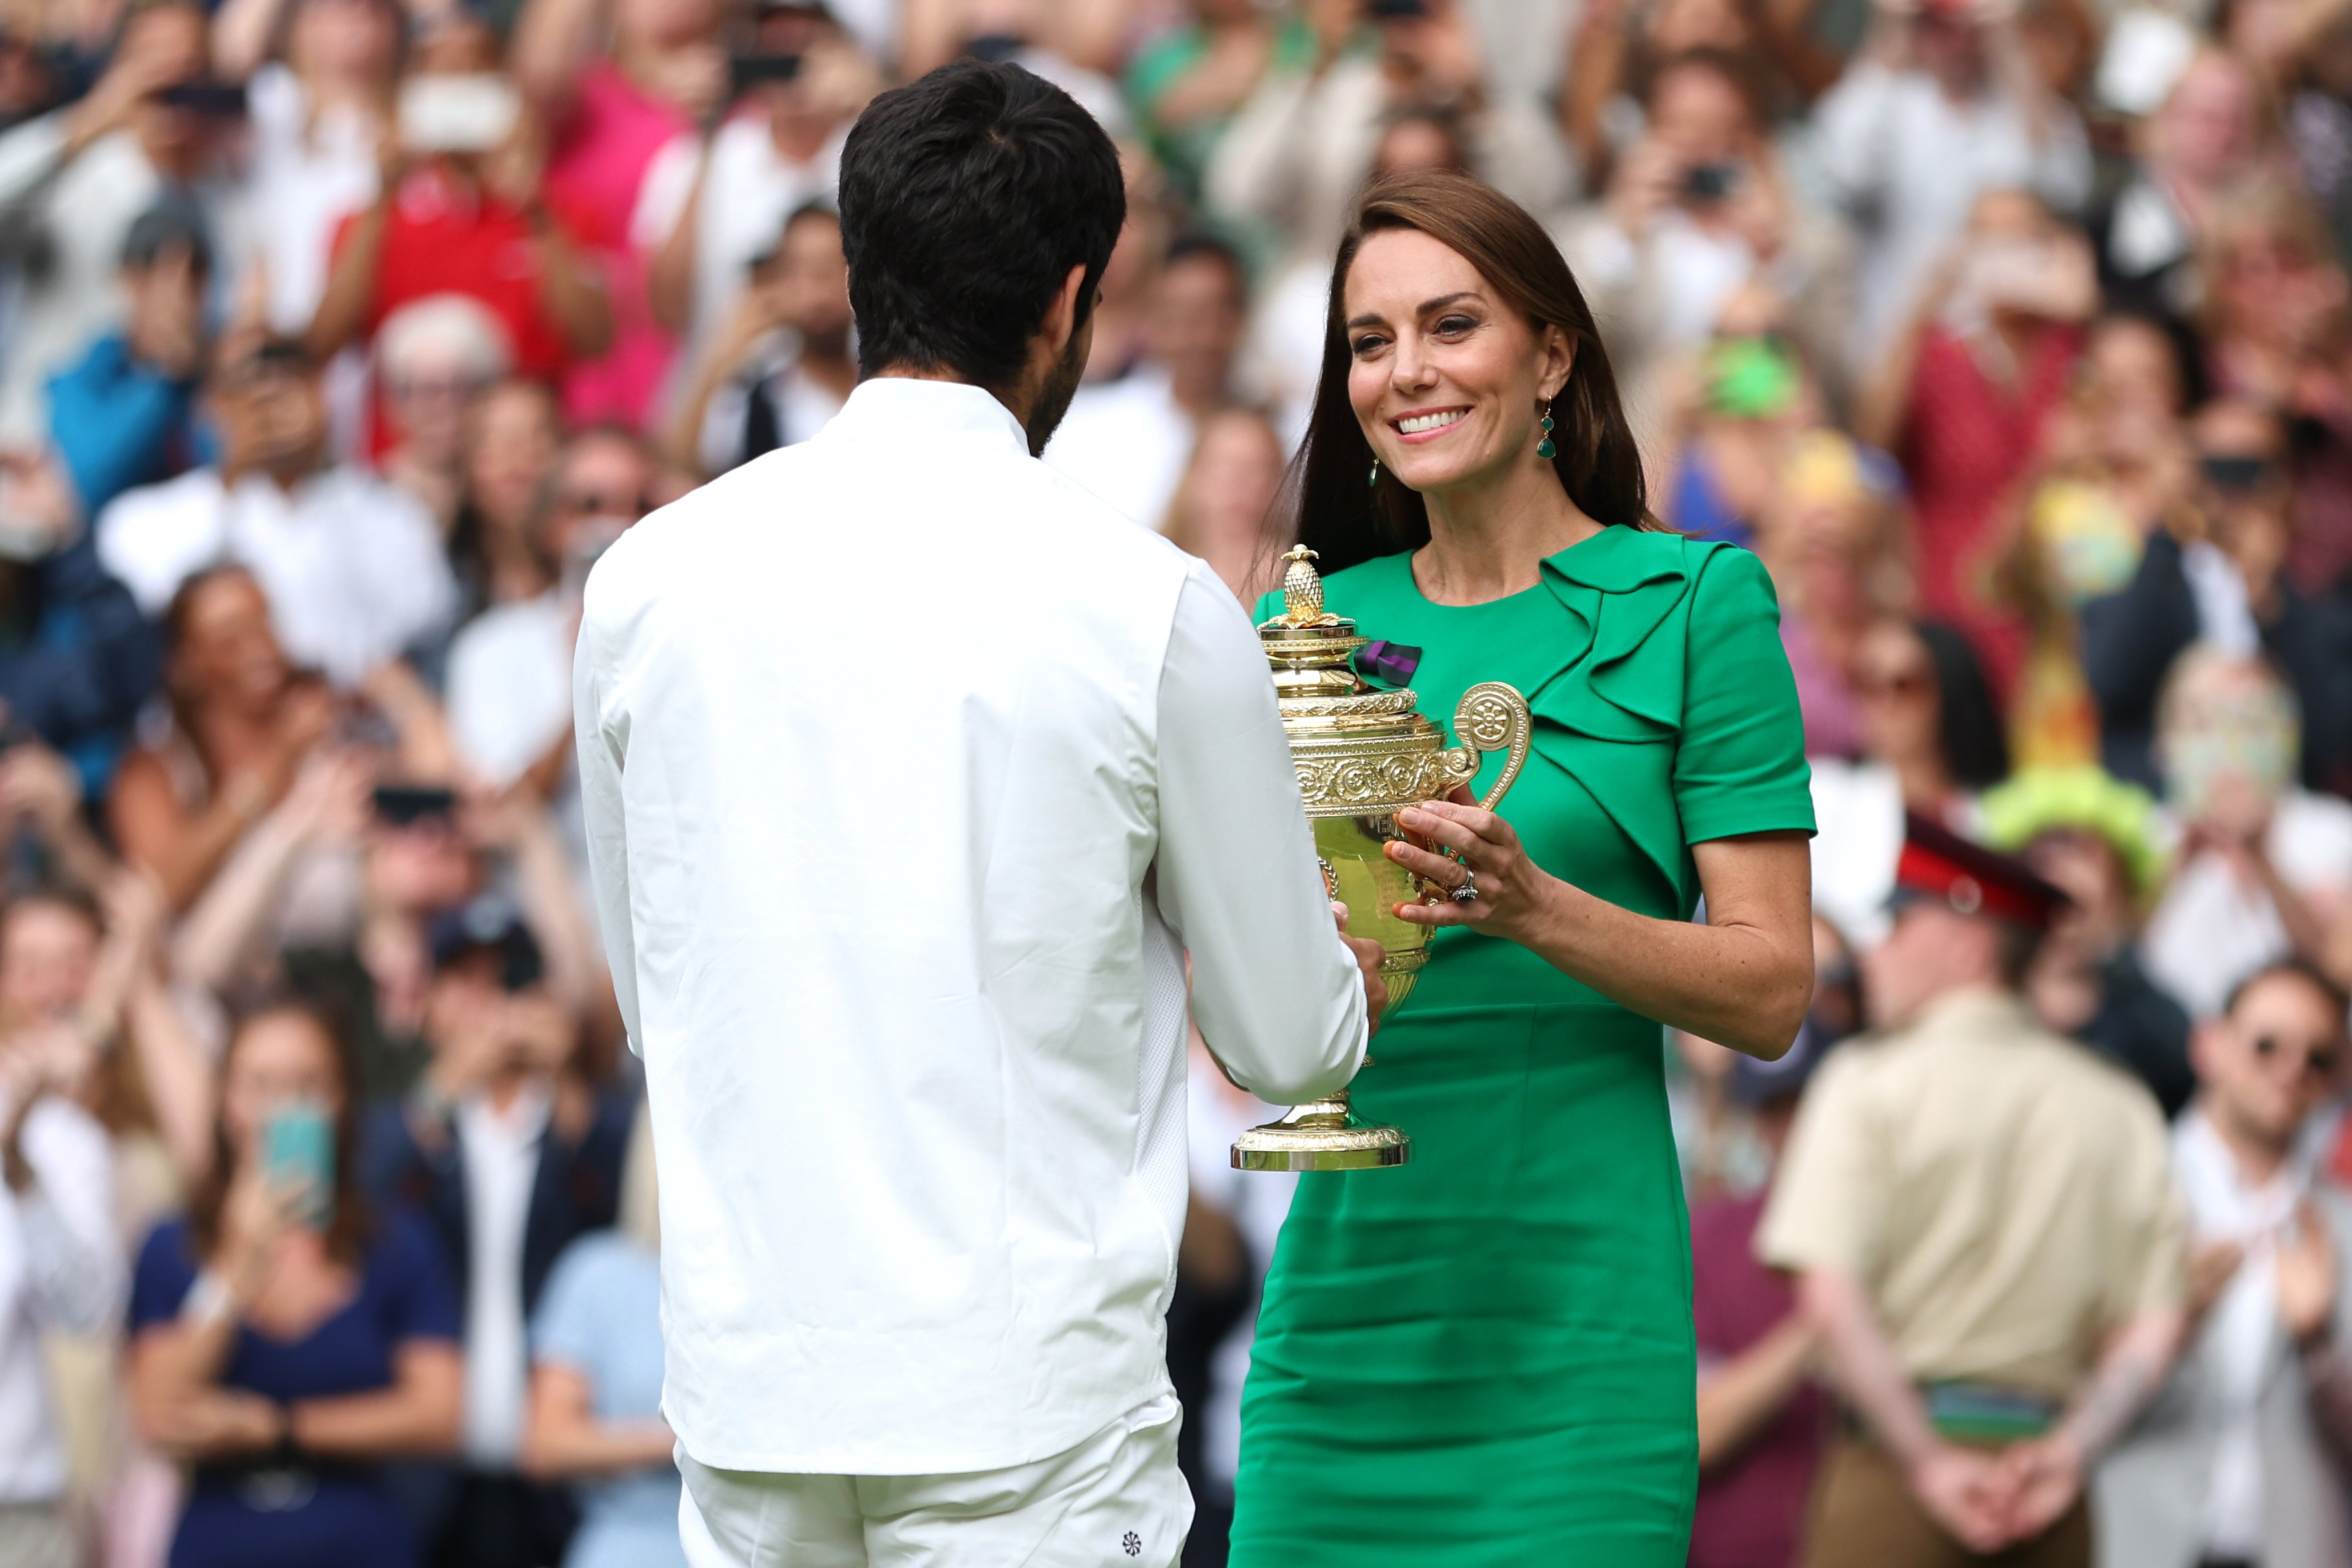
(1468, 892)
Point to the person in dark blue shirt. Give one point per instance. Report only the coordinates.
(287, 1340)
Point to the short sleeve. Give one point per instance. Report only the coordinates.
(418, 1302)
(1740, 766)
(165, 1272)
(1827, 1208)
(566, 1328)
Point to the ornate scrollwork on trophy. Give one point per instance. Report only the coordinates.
(1362, 755)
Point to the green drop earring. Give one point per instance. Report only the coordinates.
(1544, 448)
(1372, 480)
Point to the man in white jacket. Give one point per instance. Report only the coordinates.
(912, 772)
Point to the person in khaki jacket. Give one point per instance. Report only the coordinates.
(1982, 1217)
(2243, 1457)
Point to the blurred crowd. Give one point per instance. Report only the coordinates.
(339, 337)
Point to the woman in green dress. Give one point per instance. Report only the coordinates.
(1485, 1356)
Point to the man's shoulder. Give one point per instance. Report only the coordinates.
(199, 491)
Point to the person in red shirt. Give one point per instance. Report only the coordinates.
(1966, 396)
(462, 212)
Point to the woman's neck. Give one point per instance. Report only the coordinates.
(1489, 538)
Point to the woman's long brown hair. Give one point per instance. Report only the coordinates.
(349, 1231)
(1345, 521)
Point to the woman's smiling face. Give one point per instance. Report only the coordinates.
(1448, 380)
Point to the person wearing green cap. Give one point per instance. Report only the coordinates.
(2100, 840)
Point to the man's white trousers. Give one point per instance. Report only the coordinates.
(1115, 1501)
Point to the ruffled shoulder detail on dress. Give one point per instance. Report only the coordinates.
(1616, 674)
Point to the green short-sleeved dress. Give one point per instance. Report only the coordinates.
(1485, 1356)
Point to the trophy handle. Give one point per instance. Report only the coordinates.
(1492, 717)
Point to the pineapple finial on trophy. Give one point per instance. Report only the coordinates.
(1302, 589)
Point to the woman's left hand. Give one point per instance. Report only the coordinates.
(1514, 894)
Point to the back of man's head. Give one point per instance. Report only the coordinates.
(966, 199)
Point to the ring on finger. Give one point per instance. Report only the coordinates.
(1468, 892)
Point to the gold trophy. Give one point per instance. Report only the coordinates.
(1362, 756)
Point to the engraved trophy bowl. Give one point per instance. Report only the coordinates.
(1362, 756)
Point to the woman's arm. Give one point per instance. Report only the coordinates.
(182, 849)
(669, 281)
(419, 1415)
(571, 291)
(352, 279)
(1743, 979)
(562, 1438)
(243, 31)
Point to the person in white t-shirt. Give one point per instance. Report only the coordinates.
(353, 568)
(2264, 868)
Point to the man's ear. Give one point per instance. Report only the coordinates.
(1062, 313)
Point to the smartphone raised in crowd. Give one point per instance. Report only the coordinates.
(403, 804)
(298, 1154)
(217, 99)
(457, 112)
(745, 72)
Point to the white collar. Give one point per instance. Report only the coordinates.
(902, 408)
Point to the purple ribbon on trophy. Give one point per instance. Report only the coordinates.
(1389, 664)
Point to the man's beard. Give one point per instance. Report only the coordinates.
(1061, 384)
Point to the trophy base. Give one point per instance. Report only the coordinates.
(1323, 1135)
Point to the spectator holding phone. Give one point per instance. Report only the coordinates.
(1699, 209)
(352, 567)
(1947, 85)
(2215, 574)
(511, 1155)
(783, 367)
(287, 1338)
(73, 182)
(716, 199)
(462, 210)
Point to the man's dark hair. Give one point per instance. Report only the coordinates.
(966, 198)
(2302, 969)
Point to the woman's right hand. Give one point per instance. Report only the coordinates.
(255, 1216)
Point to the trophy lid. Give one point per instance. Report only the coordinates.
(1305, 632)
(1316, 684)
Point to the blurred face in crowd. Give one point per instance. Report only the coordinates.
(1950, 43)
(1196, 317)
(272, 414)
(513, 435)
(2022, 263)
(1895, 677)
(356, 42)
(2227, 741)
(1677, 26)
(164, 310)
(2242, 464)
(1418, 142)
(1699, 114)
(1932, 949)
(603, 483)
(177, 38)
(429, 395)
(1446, 378)
(2267, 1066)
(2205, 130)
(228, 653)
(1230, 489)
(2084, 866)
(2273, 282)
(809, 278)
(48, 951)
(665, 24)
(469, 1008)
(420, 867)
(275, 1061)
